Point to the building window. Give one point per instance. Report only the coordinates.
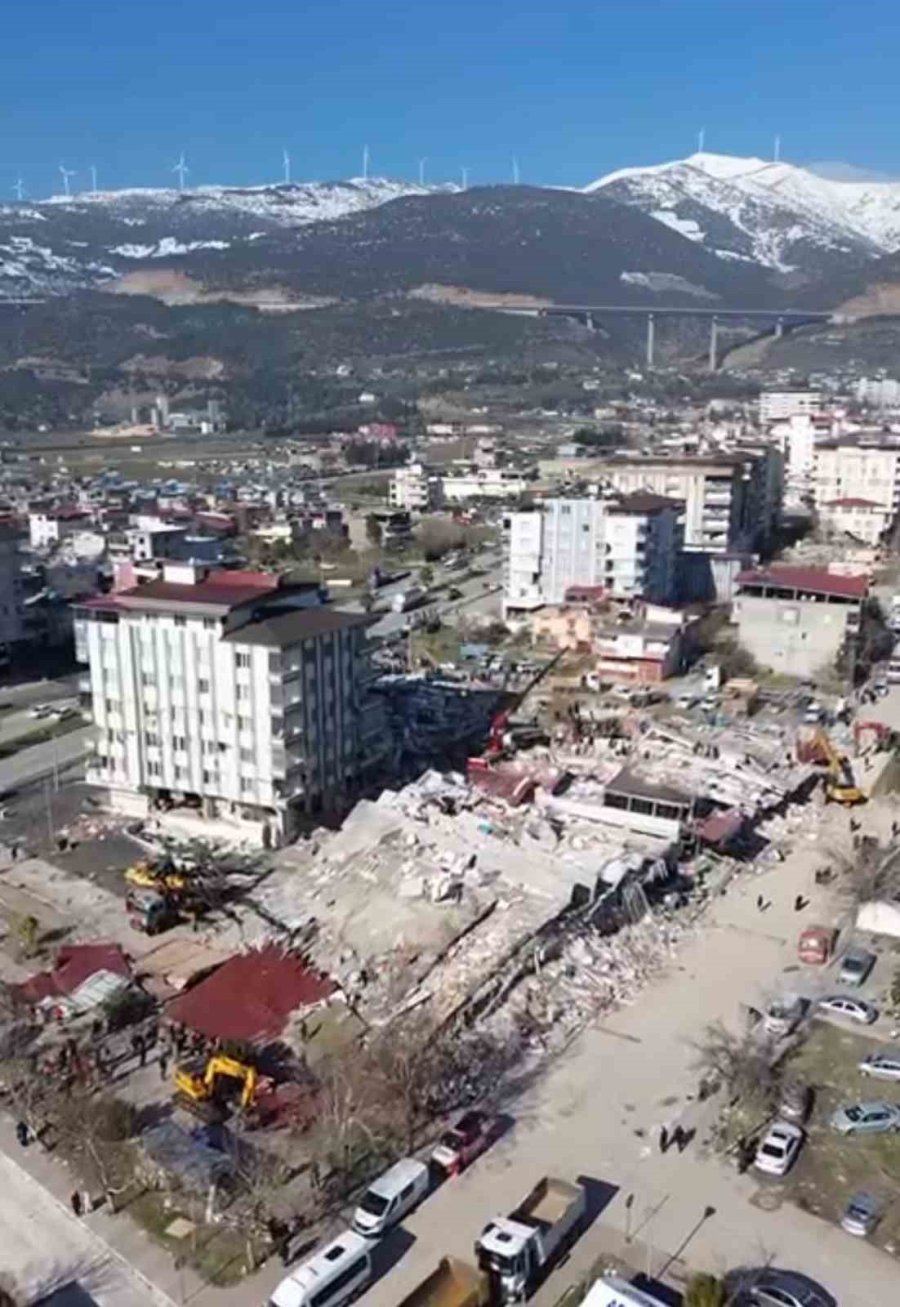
(181, 621)
(209, 623)
(247, 755)
(245, 723)
(112, 705)
(147, 678)
(203, 686)
(179, 743)
(243, 692)
(243, 660)
(209, 778)
(247, 783)
(153, 769)
(151, 740)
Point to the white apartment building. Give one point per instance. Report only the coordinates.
(484, 483)
(414, 489)
(866, 471)
(716, 492)
(627, 546)
(229, 693)
(778, 405)
(46, 529)
(880, 392)
(796, 438)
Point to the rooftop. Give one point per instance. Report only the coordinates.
(850, 502)
(814, 580)
(293, 624)
(220, 591)
(642, 502)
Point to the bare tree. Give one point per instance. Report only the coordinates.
(743, 1063)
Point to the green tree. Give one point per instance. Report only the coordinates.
(426, 575)
(28, 929)
(705, 1291)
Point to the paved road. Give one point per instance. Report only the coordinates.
(41, 760)
(43, 1246)
(597, 1113)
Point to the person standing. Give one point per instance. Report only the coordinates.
(76, 1202)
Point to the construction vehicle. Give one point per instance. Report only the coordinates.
(199, 1088)
(517, 1251)
(841, 786)
(453, 1284)
(151, 911)
(149, 874)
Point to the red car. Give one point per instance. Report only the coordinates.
(471, 1135)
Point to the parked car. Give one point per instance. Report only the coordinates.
(866, 1119)
(855, 967)
(796, 1102)
(861, 1214)
(765, 1286)
(816, 945)
(471, 1135)
(454, 592)
(779, 1148)
(813, 714)
(852, 1009)
(882, 1065)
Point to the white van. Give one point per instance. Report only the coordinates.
(329, 1277)
(390, 1197)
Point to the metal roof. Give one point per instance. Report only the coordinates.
(813, 579)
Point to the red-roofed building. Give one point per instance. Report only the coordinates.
(229, 693)
(74, 965)
(865, 520)
(798, 620)
(251, 997)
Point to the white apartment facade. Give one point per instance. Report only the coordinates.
(864, 471)
(46, 529)
(414, 489)
(229, 693)
(778, 405)
(627, 546)
(484, 483)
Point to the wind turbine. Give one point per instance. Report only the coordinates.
(422, 163)
(365, 163)
(182, 170)
(19, 189)
(515, 171)
(94, 178)
(66, 174)
(286, 161)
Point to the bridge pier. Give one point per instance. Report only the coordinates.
(779, 328)
(589, 322)
(713, 342)
(651, 339)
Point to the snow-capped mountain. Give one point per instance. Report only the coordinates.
(782, 216)
(80, 241)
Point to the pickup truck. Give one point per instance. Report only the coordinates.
(453, 1284)
(516, 1251)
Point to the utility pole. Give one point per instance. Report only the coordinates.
(651, 339)
(50, 826)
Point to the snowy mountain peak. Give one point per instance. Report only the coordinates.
(776, 213)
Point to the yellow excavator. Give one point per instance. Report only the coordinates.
(841, 785)
(196, 1084)
(154, 875)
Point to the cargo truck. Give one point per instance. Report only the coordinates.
(517, 1251)
(453, 1284)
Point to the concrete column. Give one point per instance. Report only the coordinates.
(651, 326)
(713, 342)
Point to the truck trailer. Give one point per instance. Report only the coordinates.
(453, 1284)
(517, 1251)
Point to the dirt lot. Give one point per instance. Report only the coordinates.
(831, 1167)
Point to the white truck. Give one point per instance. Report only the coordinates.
(403, 600)
(516, 1251)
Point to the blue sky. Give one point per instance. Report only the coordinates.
(573, 88)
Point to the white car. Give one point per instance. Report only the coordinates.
(852, 1009)
(779, 1148)
(883, 1065)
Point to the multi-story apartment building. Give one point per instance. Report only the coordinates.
(229, 692)
(414, 488)
(629, 546)
(861, 469)
(11, 623)
(731, 501)
(777, 405)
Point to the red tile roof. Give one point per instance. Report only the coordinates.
(814, 579)
(74, 965)
(218, 590)
(850, 502)
(251, 996)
